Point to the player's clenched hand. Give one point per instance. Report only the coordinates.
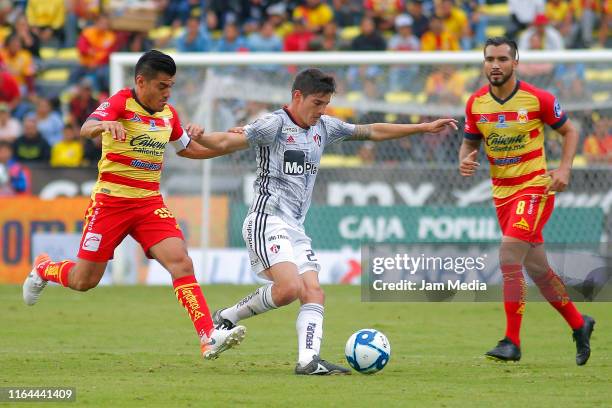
(440, 125)
(115, 129)
(559, 179)
(468, 166)
(194, 131)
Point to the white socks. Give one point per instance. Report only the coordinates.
(256, 303)
(309, 326)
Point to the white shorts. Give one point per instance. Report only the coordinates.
(270, 240)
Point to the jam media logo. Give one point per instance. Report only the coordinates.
(92, 242)
(275, 248)
(501, 121)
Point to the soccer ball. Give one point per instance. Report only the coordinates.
(367, 351)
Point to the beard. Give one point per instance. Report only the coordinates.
(499, 81)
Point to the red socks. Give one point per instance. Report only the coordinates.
(514, 300)
(190, 295)
(553, 289)
(55, 271)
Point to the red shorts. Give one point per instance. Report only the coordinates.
(108, 220)
(524, 218)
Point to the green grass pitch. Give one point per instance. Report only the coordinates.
(134, 346)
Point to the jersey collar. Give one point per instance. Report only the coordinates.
(149, 111)
(286, 109)
(502, 101)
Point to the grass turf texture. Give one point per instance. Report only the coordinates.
(134, 346)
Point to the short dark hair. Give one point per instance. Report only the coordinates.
(312, 81)
(152, 62)
(497, 41)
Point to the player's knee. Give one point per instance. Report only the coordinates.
(535, 270)
(287, 292)
(181, 266)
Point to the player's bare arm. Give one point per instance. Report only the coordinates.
(378, 132)
(194, 150)
(559, 177)
(94, 128)
(224, 142)
(467, 157)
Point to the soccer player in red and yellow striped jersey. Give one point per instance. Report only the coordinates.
(136, 125)
(509, 115)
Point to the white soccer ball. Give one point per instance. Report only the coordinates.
(367, 351)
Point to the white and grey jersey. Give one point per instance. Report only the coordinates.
(288, 158)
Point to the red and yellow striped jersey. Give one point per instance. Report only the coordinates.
(132, 168)
(513, 135)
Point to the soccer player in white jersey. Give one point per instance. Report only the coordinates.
(289, 143)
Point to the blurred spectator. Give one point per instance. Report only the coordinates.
(367, 153)
(174, 12)
(347, 12)
(455, 22)
(134, 41)
(522, 13)
(254, 12)
(598, 146)
(586, 12)
(222, 12)
(315, 13)
(14, 178)
(82, 103)
(559, 13)
(299, 39)
(477, 19)
(20, 63)
(549, 38)
(438, 38)
(95, 45)
(370, 38)
(420, 22)
(46, 17)
(606, 22)
(404, 40)
(402, 78)
(383, 12)
(445, 86)
(9, 89)
(49, 122)
(31, 146)
(29, 39)
(10, 128)
(278, 17)
(571, 85)
(328, 40)
(538, 73)
(265, 40)
(231, 41)
(195, 38)
(69, 151)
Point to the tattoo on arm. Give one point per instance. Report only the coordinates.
(362, 132)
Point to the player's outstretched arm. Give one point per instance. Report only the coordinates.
(197, 150)
(225, 142)
(559, 178)
(467, 157)
(379, 132)
(94, 128)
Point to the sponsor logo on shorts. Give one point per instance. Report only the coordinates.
(275, 248)
(279, 236)
(522, 224)
(92, 242)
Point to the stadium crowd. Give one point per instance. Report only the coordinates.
(54, 62)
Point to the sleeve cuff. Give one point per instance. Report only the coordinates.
(560, 122)
(472, 136)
